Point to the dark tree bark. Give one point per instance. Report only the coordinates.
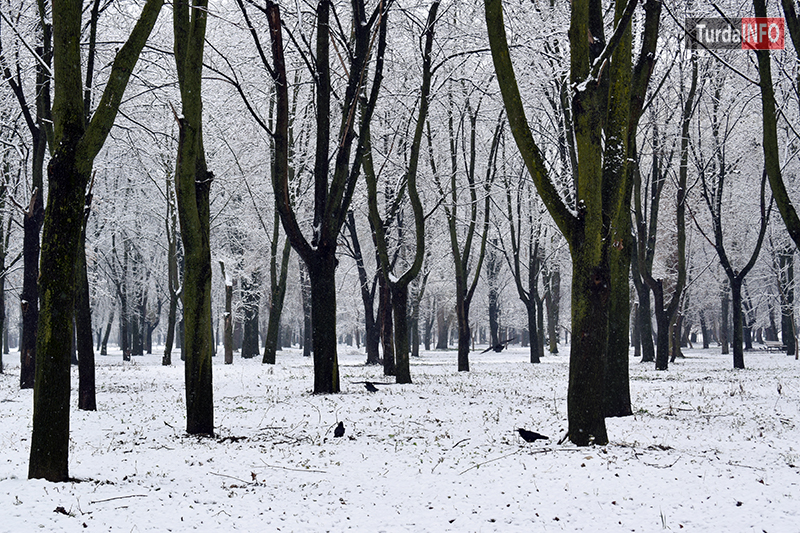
(493, 266)
(250, 288)
(192, 187)
(83, 324)
(107, 333)
(551, 276)
(385, 325)
(442, 328)
(643, 319)
(76, 145)
(704, 329)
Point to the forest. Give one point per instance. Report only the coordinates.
(581, 184)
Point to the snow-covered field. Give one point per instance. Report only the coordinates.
(709, 449)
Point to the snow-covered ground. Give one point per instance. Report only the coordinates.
(708, 449)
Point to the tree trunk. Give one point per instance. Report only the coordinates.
(401, 337)
(60, 238)
(322, 274)
(636, 335)
(278, 294)
(442, 328)
(464, 335)
(643, 319)
(617, 381)
(193, 184)
(386, 325)
(29, 298)
(533, 341)
(786, 289)
(305, 295)
(76, 144)
(590, 306)
(552, 298)
(704, 330)
(738, 336)
(724, 337)
(250, 344)
(493, 266)
(83, 325)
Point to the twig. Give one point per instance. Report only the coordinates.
(459, 442)
(294, 469)
(745, 466)
(118, 498)
(230, 477)
(489, 461)
(662, 466)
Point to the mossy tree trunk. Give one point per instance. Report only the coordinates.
(601, 108)
(769, 118)
(192, 187)
(77, 144)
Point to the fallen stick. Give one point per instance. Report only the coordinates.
(119, 498)
(294, 469)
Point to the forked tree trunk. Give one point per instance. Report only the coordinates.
(76, 145)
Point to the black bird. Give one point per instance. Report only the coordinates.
(530, 436)
(500, 346)
(370, 386)
(339, 431)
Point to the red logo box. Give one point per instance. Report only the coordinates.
(763, 33)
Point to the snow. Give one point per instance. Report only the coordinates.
(708, 449)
